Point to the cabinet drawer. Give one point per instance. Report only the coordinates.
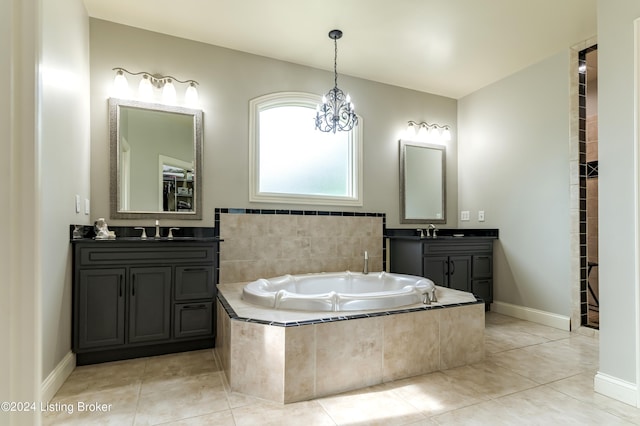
(194, 282)
(483, 289)
(456, 246)
(193, 319)
(93, 254)
(482, 266)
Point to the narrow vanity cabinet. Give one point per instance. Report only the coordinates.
(462, 263)
(140, 298)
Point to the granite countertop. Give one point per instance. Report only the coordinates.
(131, 234)
(147, 240)
(444, 234)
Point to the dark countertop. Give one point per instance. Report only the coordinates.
(444, 234)
(442, 237)
(130, 234)
(148, 240)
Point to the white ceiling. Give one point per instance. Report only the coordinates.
(446, 47)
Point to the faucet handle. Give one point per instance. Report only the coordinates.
(144, 232)
(170, 236)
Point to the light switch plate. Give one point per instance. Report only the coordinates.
(481, 216)
(77, 203)
(464, 215)
(86, 206)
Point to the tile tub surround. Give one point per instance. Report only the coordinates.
(289, 356)
(271, 243)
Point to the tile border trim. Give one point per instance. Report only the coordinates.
(232, 314)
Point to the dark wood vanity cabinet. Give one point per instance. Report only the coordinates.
(141, 298)
(464, 263)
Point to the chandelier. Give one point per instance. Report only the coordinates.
(336, 112)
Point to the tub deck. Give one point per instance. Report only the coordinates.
(288, 356)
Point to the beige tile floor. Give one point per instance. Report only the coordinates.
(532, 375)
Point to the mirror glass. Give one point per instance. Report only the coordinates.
(155, 160)
(422, 183)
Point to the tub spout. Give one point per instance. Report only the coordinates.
(365, 270)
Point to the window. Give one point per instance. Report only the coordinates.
(291, 162)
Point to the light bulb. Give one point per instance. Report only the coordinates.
(168, 92)
(422, 133)
(434, 134)
(411, 132)
(145, 90)
(446, 134)
(120, 85)
(191, 96)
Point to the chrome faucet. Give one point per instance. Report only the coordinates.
(432, 226)
(365, 270)
(170, 236)
(144, 232)
(157, 229)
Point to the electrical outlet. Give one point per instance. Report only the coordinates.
(481, 216)
(464, 215)
(77, 203)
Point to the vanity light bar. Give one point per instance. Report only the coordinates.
(147, 84)
(424, 131)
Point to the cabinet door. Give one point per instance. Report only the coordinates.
(194, 282)
(193, 319)
(482, 266)
(436, 268)
(149, 304)
(100, 308)
(460, 272)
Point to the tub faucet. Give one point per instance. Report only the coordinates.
(365, 270)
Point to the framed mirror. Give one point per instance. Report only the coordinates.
(156, 161)
(422, 183)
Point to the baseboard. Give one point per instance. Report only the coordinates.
(56, 378)
(615, 388)
(534, 315)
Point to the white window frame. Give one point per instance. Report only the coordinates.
(308, 100)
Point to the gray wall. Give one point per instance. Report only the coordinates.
(617, 180)
(64, 164)
(514, 165)
(228, 80)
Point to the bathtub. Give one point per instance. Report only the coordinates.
(338, 291)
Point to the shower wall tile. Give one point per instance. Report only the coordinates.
(293, 242)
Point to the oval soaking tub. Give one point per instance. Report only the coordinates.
(338, 291)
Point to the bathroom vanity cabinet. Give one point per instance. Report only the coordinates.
(140, 298)
(461, 263)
